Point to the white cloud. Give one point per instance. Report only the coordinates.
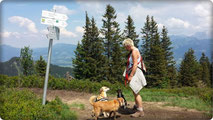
(121, 18)
(7, 34)
(63, 9)
(203, 14)
(24, 22)
(201, 11)
(177, 23)
(79, 29)
(93, 7)
(139, 12)
(67, 33)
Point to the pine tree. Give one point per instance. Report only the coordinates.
(40, 67)
(112, 45)
(98, 59)
(83, 54)
(90, 60)
(78, 62)
(146, 37)
(26, 60)
(170, 63)
(130, 32)
(205, 70)
(166, 45)
(154, 55)
(189, 70)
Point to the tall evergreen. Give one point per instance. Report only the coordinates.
(83, 53)
(40, 67)
(205, 69)
(189, 70)
(145, 47)
(78, 62)
(112, 45)
(166, 45)
(170, 63)
(130, 32)
(26, 60)
(154, 55)
(97, 57)
(89, 59)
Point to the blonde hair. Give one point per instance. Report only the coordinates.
(128, 41)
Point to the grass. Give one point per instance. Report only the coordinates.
(78, 106)
(171, 99)
(25, 105)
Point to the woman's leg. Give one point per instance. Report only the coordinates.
(138, 102)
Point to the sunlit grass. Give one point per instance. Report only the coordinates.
(171, 99)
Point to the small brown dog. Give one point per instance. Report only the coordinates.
(102, 96)
(106, 106)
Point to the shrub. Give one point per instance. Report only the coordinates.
(24, 105)
(3, 79)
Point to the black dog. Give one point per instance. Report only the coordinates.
(120, 95)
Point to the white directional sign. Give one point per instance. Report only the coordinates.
(53, 22)
(53, 15)
(54, 19)
(47, 14)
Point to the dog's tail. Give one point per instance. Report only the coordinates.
(91, 99)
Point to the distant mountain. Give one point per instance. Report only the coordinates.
(11, 67)
(62, 54)
(181, 44)
(201, 35)
(7, 52)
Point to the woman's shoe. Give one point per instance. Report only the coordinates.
(138, 114)
(135, 107)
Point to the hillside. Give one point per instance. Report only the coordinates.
(62, 54)
(198, 45)
(11, 67)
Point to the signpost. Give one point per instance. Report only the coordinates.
(54, 20)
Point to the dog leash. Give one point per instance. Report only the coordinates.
(119, 102)
(127, 69)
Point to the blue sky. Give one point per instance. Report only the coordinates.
(21, 20)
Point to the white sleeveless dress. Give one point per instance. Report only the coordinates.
(138, 80)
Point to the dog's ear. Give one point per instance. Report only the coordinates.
(101, 89)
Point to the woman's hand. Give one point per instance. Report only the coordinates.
(129, 79)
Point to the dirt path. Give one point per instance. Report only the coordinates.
(152, 110)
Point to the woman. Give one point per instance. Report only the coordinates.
(134, 75)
